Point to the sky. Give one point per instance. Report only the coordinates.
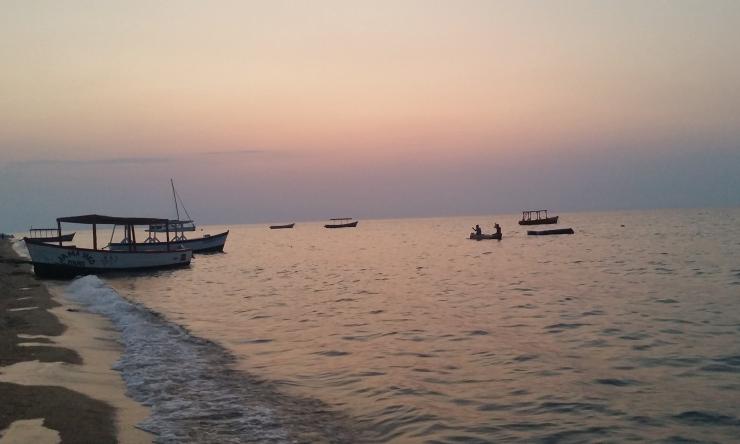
(266, 111)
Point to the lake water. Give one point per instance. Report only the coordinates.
(407, 331)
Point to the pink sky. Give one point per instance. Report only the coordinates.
(341, 87)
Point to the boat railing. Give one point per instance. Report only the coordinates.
(42, 232)
(527, 215)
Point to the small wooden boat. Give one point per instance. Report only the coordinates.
(280, 227)
(48, 235)
(537, 217)
(59, 261)
(548, 232)
(496, 236)
(340, 224)
(206, 244)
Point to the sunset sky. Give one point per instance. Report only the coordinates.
(304, 110)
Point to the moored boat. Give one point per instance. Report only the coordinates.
(537, 217)
(280, 227)
(66, 261)
(548, 232)
(206, 244)
(340, 222)
(48, 235)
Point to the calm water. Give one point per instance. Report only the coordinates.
(406, 331)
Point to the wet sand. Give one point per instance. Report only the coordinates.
(56, 381)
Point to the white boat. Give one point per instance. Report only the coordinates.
(206, 244)
(64, 261)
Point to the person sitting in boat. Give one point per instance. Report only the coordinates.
(497, 227)
(477, 230)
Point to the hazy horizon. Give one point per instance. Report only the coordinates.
(282, 111)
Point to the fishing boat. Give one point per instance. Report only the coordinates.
(208, 243)
(48, 235)
(66, 261)
(548, 232)
(280, 227)
(341, 222)
(537, 217)
(496, 236)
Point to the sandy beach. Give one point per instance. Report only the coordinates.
(56, 380)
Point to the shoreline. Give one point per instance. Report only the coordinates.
(56, 359)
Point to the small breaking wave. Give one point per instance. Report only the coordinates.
(194, 393)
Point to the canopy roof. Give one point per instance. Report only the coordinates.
(341, 218)
(178, 222)
(110, 220)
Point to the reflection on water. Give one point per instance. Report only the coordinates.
(615, 333)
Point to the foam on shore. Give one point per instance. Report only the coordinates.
(188, 382)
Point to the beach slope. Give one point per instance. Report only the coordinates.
(56, 381)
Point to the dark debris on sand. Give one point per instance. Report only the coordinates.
(77, 417)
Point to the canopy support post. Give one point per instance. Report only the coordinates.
(59, 232)
(167, 230)
(95, 236)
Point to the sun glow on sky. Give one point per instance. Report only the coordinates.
(335, 84)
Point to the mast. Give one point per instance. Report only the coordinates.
(174, 197)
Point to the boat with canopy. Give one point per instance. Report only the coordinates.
(537, 217)
(208, 243)
(66, 261)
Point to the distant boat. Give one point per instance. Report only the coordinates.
(206, 244)
(279, 227)
(62, 261)
(537, 217)
(48, 235)
(340, 224)
(496, 236)
(548, 232)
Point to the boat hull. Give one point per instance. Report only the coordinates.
(545, 221)
(206, 244)
(280, 227)
(347, 225)
(54, 261)
(63, 238)
(496, 236)
(549, 232)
